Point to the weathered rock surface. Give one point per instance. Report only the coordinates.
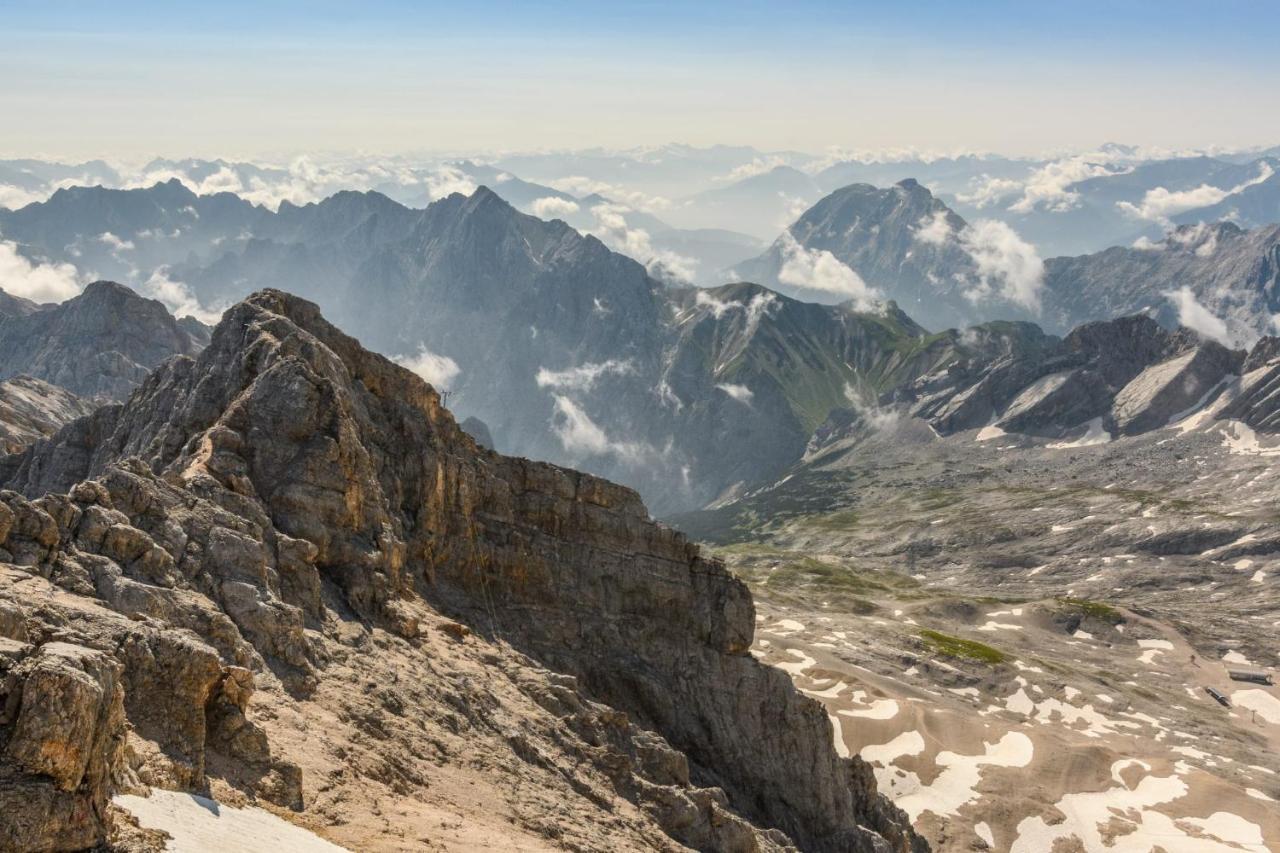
(290, 514)
(31, 409)
(1130, 374)
(98, 344)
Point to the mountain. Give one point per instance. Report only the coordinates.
(99, 344)
(1219, 278)
(902, 243)
(31, 409)
(127, 235)
(563, 348)
(281, 571)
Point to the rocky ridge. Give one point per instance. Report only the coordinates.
(98, 344)
(284, 511)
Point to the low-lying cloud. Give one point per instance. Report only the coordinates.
(1160, 204)
(582, 377)
(552, 207)
(39, 282)
(1005, 266)
(438, 370)
(814, 269)
(611, 228)
(178, 297)
(1194, 315)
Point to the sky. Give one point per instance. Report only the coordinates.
(241, 79)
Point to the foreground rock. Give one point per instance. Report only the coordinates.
(305, 586)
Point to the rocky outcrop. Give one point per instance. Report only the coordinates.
(287, 487)
(1230, 273)
(31, 409)
(1130, 374)
(99, 344)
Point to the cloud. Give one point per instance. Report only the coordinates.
(438, 370)
(581, 436)
(758, 166)
(717, 307)
(934, 230)
(741, 393)
(178, 297)
(551, 207)
(878, 419)
(583, 377)
(583, 186)
(611, 228)
(820, 270)
(53, 282)
(447, 180)
(15, 197)
(1160, 204)
(1008, 267)
(1196, 316)
(117, 245)
(988, 191)
(1048, 186)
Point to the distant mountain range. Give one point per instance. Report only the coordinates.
(566, 350)
(903, 244)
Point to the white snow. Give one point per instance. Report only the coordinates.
(955, 785)
(907, 743)
(198, 825)
(1254, 699)
(1095, 434)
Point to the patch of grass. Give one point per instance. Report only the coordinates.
(1096, 609)
(958, 647)
(838, 520)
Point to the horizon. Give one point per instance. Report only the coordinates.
(253, 81)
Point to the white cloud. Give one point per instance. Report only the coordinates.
(1159, 204)
(988, 191)
(447, 180)
(1196, 316)
(583, 377)
(15, 197)
(551, 207)
(178, 297)
(741, 393)
(438, 370)
(820, 270)
(611, 228)
(878, 419)
(1008, 266)
(53, 282)
(758, 166)
(116, 244)
(934, 230)
(717, 307)
(1048, 186)
(581, 436)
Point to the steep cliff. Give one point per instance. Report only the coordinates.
(290, 513)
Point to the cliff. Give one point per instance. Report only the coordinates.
(287, 547)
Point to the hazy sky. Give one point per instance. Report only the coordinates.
(131, 79)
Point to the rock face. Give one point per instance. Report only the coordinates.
(99, 344)
(31, 409)
(1233, 274)
(256, 515)
(1130, 374)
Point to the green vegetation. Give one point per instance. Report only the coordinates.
(958, 647)
(1096, 609)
